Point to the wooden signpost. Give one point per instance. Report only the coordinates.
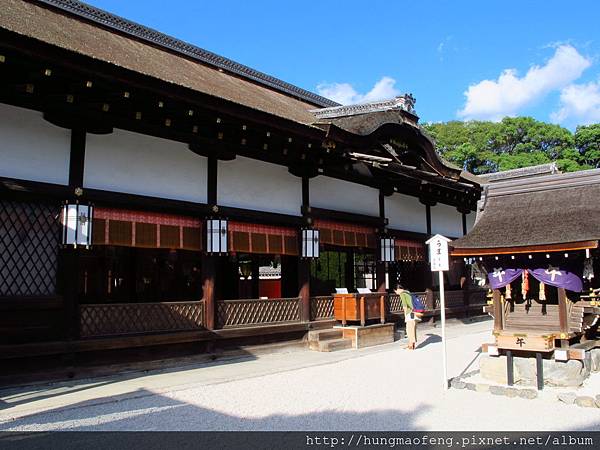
(439, 261)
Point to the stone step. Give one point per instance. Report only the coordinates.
(324, 335)
(332, 345)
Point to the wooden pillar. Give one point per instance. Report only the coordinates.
(380, 276)
(305, 195)
(498, 319)
(70, 274)
(428, 218)
(464, 223)
(209, 263)
(510, 368)
(255, 264)
(211, 180)
(70, 257)
(77, 157)
(539, 364)
(304, 288)
(563, 316)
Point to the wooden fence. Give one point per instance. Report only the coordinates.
(235, 313)
(118, 319)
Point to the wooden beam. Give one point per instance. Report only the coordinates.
(464, 224)
(542, 248)
(428, 219)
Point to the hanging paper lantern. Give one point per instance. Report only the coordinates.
(77, 224)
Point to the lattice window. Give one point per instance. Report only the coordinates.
(29, 244)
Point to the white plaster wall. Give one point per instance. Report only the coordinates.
(137, 164)
(471, 220)
(252, 184)
(32, 148)
(339, 195)
(446, 220)
(406, 213)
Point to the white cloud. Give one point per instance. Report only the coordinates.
(494, 99)
(345, 93)
(580, 102)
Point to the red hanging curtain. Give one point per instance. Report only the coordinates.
(409, 250)
(254, 238)
(346, 234)
(146, 229)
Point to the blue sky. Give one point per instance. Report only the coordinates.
(461, 59)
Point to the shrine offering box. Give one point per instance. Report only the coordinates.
(359, 307)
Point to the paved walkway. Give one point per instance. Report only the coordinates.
(380, 388)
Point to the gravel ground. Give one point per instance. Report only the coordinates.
(387, 388)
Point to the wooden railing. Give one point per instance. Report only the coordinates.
(321, 307)
(118, 319)
(235, 313)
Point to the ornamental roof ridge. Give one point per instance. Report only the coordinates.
(404, 102)
(117, 23)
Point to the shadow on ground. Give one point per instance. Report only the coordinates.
(154, 412)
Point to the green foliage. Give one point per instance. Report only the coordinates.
(587, 141)
(483, 147)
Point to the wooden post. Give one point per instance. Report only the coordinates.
(362, 310)
(428, 218)
(208, 289)
(563, 316)
(69, 269)
(510, 374)
(304, 288)
(539, 362)
(464, 223)
(382, 308)
(498, 311)
(77, 157)
(380, 276)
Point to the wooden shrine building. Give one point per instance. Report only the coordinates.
(536, 239)
(153, 192)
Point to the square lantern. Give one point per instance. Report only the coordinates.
(310, 243)
(216, 236)
(387, 249)
(77, 224)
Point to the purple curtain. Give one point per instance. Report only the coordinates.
(556, 277)
(501, 277)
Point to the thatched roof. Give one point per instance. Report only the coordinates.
(544, 212)
(91, 32)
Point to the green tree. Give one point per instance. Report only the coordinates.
(587, 141)
(482, 147)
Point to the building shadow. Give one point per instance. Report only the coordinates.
(18, 395)
(148, 411)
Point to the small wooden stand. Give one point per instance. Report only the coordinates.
(358, 307)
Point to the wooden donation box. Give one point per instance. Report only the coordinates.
(359, 307)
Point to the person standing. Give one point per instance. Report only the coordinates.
(410, 317)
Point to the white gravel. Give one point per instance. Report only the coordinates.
(387, 388)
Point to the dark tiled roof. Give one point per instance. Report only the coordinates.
(94, 33)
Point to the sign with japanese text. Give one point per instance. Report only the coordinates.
(438, 253)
